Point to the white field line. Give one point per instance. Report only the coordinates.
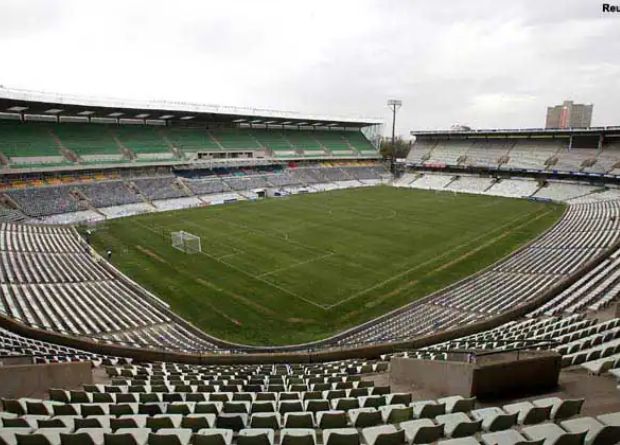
(238, 269)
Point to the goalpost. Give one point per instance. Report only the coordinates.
(186, 242)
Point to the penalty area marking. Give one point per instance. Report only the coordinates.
(256, 277)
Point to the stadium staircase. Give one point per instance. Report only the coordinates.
(552, 161)
(587, 163)
(68, 154)
(214, 139)
(9, 203)
(84, 201)
(505, 159)
(174, 149)
(127, 153)
(135, 189)
(493, 182)
(182, 186)
(429, 155)
(453, 179)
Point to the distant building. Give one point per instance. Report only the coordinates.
(569, 115)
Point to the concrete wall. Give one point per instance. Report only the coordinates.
(36, 380)
(533, 372)
(16, 360)
(491, 376)
(442, 377)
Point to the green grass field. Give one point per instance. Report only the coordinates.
(296, 269)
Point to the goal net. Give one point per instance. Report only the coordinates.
(186, 242)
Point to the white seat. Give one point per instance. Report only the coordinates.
(374, 434)
(353, 414)
(174, 418)
(33, 419)
(421, 430)
(528, 413)
(294, 433)
(494, 418)
(462, 441)
(561, 408)
(209, 418)
(458, 403)
(260, 416)
(139, 419)
(386, 411)
(596, 432)
(183, 434)
(52, 434)
(427, 408)
(96, 434)
(301, 417)
(140, 435)
(8, 434)
(253, 432)
(226, 435)
(351, 435)
(333, 417)
(458, 424)
(553, 435)
(228, 395)
(506, 437)
(610, 418)
(104, 421)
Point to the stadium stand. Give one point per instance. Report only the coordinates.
(329, 403)
(159, 187)
(32, 144)
(564, 191)
(44, 200)
(515, 188)
(29, 144)
(470, 184)
(50, 281)
(138, 192)
(92, 143)
(532, 150)
(13, 345)
(191, 140)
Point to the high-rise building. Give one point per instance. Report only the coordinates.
(569, 115)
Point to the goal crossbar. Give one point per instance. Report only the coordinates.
(186, 242)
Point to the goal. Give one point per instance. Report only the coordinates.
(186, 242)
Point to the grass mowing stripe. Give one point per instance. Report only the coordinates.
(249, 274)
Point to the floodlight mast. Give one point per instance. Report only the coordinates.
(394, 105)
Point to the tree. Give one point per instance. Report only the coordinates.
(400, 148)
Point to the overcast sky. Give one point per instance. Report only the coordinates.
(484, 63)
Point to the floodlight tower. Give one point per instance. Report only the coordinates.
(394, 105)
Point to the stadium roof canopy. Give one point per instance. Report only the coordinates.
(17, 101)
(518, 132)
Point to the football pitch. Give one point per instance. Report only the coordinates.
(302, 268)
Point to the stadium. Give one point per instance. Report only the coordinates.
(178, 273)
